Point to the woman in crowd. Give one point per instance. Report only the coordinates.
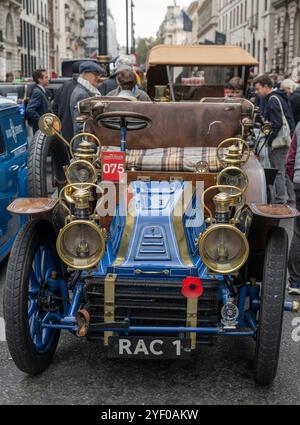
(127, 87)
(293, 90)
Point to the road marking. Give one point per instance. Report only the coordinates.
(2, 330)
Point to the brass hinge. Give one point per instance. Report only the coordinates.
(143, 179)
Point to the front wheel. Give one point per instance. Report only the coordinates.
(272, 307)
(47, 158)
(29, 300)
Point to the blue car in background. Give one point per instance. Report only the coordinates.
(13, 170)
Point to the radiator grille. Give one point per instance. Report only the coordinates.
(152, 303)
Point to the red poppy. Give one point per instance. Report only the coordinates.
(192, 287)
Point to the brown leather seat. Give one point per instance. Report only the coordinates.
(174, 124)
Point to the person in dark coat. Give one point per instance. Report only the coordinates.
(61, 103)
(295, 104)
(277, 105)
(38, 104)
(272, 113)
(275, 80)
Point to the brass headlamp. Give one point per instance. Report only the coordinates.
(87, 149)
(227, 200)
(81, 171)
(80, 196)
(233, 175)
(223, 248)
(235, 155)
(81, 244)
(222, 202)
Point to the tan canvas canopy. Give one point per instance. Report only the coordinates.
(200, 55)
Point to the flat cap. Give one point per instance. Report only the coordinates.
(90, 66)
(123, 67)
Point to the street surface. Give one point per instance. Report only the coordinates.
(222, 374)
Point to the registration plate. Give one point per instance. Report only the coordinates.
(149, 347)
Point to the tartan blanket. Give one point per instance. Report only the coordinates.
(171, 159)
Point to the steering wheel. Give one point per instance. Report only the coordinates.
(132, 121)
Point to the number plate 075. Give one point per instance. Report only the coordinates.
(113, 166)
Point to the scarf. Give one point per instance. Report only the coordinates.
(87, 85)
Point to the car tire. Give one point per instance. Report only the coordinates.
(22, 347)
(272, 307)
(45, 151)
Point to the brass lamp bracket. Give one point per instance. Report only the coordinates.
(109, 303)
(192, 318)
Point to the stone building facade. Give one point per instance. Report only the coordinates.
(192, 12)
(250, 24)
(207, 20)
(34, 36)
(173, 29)
(10, 12)
(24, 36)
(287, 35)
(72, 32)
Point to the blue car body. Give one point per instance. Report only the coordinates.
(13, 171)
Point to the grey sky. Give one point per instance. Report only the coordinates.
(148, 15)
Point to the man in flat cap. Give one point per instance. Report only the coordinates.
(87, 83)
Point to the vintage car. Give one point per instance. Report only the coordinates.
(191, 73)
(159, 240)
(13, 171)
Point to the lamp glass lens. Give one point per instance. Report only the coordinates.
(80, 173)
(233, 178)
(81, 245)
(224, 249)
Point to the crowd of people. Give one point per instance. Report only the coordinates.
(87, 82)
(14, 77)
(279, 104)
